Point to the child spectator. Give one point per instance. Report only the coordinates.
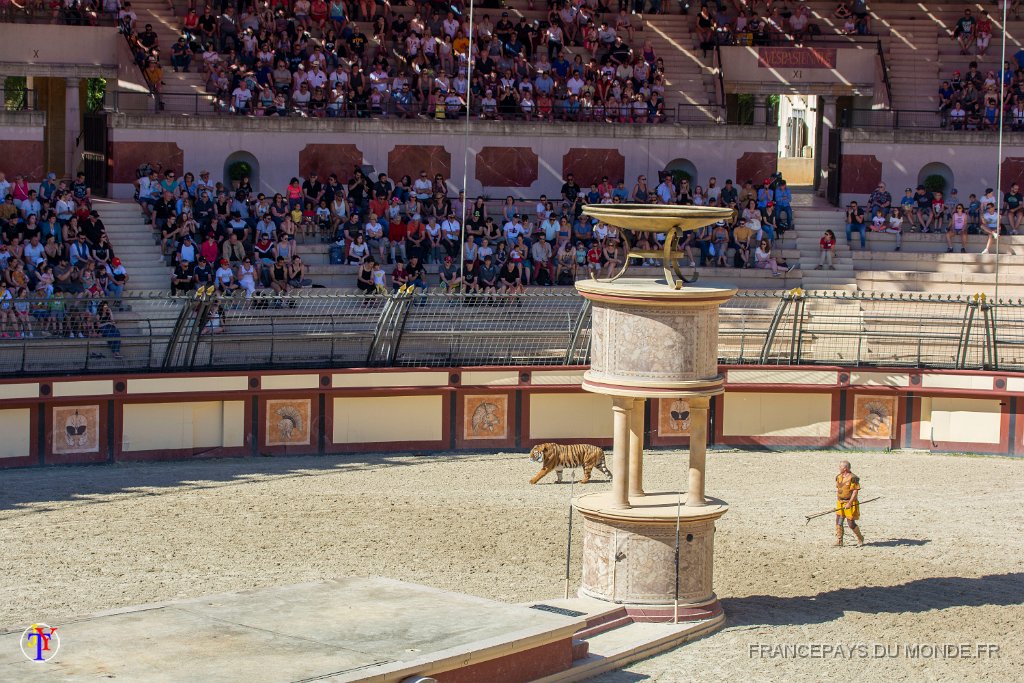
(957, 226)
(828, 245)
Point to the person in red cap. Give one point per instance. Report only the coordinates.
(225, 277)
(118, 279)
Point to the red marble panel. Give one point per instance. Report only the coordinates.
(756, 166)
(22, 157)
(327, 159)
(411, 159)
(590, 165)
(1012, 172)
(521, 665)
(859, 173)
(506, 167)
(128, 156)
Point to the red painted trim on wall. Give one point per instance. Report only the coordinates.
(964, 446)
(121, 455)
(389, 446)
(795, 441)
(33, 438)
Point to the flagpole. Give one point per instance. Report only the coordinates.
(465, 151)
(999, 154)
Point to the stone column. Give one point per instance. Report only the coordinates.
(636, 449)
(698, 450)
(622, 413)
(760, 110)
(72, 126)
(829, 122)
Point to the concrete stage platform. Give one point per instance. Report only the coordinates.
(358, 629)
(345, 630)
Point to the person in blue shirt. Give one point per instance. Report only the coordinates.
(907, 203)
(621, 192)
(583, 230)
(783, 202)
(561, 65)
(765, 194)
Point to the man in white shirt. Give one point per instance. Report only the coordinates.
(513, 229)
(451, 234)
(713, 190)
(666, 190)
(203, 184)
(575, 84)
(316, 76)
(241, 96)
(339, 75)
(423, 187)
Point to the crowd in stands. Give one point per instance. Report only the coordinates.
(60, 274)
(71, 12)
(236, 239)
(978, 100)
(924, 211)
(739, 23)
(232, 239)
(315, 58)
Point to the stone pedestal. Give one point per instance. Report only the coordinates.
(629, 556)
(650, 340)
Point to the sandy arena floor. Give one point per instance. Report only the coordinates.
(943, 563)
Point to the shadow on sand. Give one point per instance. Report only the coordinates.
(91, 484)
(923, 595)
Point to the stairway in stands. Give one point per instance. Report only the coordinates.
(133, 242)
(913, 60)
(168, 27)
(811, 224)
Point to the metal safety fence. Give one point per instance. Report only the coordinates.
(161, 333)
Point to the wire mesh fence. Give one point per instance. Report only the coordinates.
(157, 332)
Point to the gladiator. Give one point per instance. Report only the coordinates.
(847, 506)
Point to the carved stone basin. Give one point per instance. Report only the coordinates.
(657, 217)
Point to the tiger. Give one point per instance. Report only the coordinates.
(556, 457)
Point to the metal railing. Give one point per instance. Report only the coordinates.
(158, 333)
(207, 104)
(920, 119)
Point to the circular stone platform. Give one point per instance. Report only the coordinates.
(629, 554)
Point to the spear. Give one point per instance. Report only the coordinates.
(838, 510)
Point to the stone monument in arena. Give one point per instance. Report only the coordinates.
(653, 551)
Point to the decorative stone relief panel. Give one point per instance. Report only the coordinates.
(325, 159)
(506, 167)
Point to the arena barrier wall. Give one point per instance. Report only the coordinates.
(125, 418)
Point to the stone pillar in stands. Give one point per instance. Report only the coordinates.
(73, 126)
(760, 110)
(829, 122)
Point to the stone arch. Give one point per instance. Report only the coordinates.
(687, 167)
(249, 158)
(940, 169)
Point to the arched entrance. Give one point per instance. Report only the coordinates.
(233, 167)
(935, 170)
(683, 166)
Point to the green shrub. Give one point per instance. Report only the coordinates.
(239, 170)
(935, 183)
